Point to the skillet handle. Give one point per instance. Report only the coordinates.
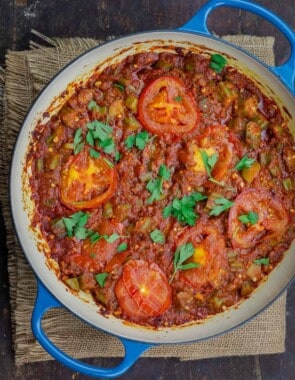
(46, 301)
(198, 23)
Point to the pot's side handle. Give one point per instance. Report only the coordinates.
(46, 301)
(198, 23)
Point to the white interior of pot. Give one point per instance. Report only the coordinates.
(220, 323)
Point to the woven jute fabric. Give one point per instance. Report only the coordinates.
(26, 74)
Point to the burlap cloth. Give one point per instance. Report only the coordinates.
(26, 73)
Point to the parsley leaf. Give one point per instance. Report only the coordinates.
(130, 141)
(119, 85)
(251, 217)
(155, 186)
(82, 233)
(157, 236)
(101, 278)
(209, 163)
(100, 133)
(117, 156)
(78, 142)
(178, 98)
(75, 226)
(94, 153)
(95, 236)
(245, 162)
(181, 254)
(112, 238)
(90, 138)
(108, 145)
(262, 261)
(222, 204)
(217, 62)
(183, 209)
(164, 172)
(75, 223)
(99, 129)
(198, 196)
(92, 105)
(139, 140)
(122, 247)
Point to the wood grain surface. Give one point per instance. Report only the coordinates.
(99, 19)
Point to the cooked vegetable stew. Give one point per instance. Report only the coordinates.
(164, 186)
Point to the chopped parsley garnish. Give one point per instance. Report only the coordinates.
(122, 247)
(117, 156)
(155, 186)
(222, 204)
(108, 145)
(164, 172)
(119, 85)
(78, 141)
(178, 98)
(130, 141)
(181, 254)
(157, 236)
(112, 238)
(262, 261)
(99, 130)
(245, 162)
(92, 105)
(75, 225)
(183, 209)
(251, 217)
(109, 238)
(101, 278)
(139, 140)
(209, 163)
(94, 153)
(101, 134)
(217, 62)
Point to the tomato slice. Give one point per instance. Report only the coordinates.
(166, 106)
(143, 289)
(127, 303)
(86, 182)
(210, 253)
(272, 218)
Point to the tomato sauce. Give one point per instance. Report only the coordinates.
(165, 187)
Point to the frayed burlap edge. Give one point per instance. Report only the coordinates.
(26, 74)
(261, 47)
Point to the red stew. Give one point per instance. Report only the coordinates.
(165, 187)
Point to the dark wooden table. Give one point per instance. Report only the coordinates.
(101, 18)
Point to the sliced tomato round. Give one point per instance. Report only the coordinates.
(127, 303)
(272, 218)
(143, 289)
(87, 182)
(210, 255)
(166, 106)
